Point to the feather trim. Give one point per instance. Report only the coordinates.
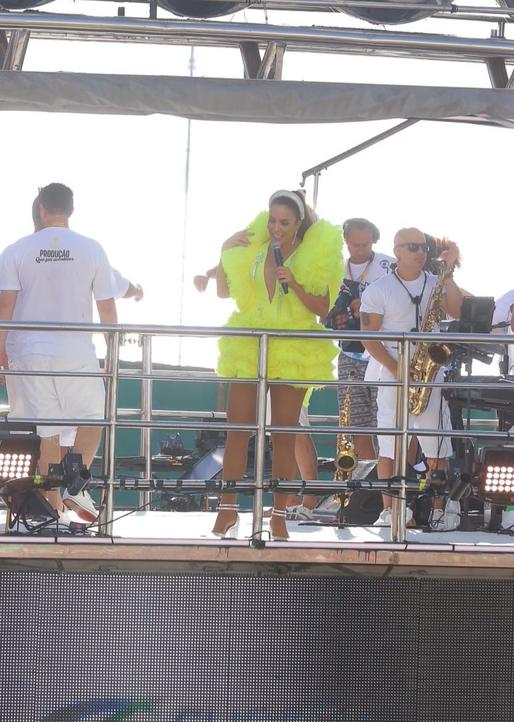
(318, 263)
(239, 262)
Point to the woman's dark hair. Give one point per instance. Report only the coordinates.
(309, 213)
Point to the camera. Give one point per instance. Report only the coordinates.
(342, 306)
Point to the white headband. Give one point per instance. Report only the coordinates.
(292, 197)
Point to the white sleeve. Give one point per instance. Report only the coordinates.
(120, 285)
(9, 277)
(503, 309)
(372, 300)
(103, 280)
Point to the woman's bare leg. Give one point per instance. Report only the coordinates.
(286, 403)
(240, 410)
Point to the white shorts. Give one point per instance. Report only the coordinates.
(436, 416)
(47, 397)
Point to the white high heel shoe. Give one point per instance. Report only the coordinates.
(283, 515)
(230, 532)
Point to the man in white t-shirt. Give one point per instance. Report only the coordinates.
(363, 267)
(52, 276)
(121, 288)
(398, 302)
(503, 313)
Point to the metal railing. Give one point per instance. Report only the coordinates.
(149, 417)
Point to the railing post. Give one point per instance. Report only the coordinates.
(112, 358)
(146, 415)
(315, 191)
(401, 443)
(260, 439)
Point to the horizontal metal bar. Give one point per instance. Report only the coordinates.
(321, 39)
(315, 486)
(213, 332)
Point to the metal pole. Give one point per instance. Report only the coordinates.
(113, 357)
(304, 38)
(260, 438)
(16, 50)
(187, 173)
(315, 190)
(401, 443)
(316, 169)
(146, 415)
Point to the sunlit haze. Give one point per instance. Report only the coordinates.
(128, 173)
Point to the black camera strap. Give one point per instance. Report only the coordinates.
(416, 300)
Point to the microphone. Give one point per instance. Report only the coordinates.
(275, 245)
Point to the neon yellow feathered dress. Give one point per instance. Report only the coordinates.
(317, 265)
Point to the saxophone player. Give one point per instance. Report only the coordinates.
(399, 302)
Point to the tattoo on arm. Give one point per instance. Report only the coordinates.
(365, 319)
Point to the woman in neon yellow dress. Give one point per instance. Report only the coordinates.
(312, 269)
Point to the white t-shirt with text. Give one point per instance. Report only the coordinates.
(56, 273)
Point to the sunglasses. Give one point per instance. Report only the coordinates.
(414, 247)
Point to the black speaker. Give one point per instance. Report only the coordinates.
(393, 16)
(362, 509)
(476, 315)
(199, 8)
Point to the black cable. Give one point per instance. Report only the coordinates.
(131, 511)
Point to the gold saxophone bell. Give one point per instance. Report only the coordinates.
(346, 460)
(439, 353)
(428, 358)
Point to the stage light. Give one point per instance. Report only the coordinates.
(497, 473)
(19, 450)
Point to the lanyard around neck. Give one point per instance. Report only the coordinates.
(364, 272)
(416, 300)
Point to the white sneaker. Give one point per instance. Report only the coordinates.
(65, 517)
(82, 504)
(447, 519)
(299, 513)
(385, 517)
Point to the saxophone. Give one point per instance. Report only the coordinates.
(428, 357)
(346, 459)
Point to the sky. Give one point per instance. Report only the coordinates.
(127, 173)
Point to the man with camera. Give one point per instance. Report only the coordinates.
(363, 267)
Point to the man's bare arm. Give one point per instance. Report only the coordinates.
(107, 313)
(134, 291)
(7, 303)
(373, 322)
(452, 300)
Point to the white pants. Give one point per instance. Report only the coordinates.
(435, 416)
(53, 397)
